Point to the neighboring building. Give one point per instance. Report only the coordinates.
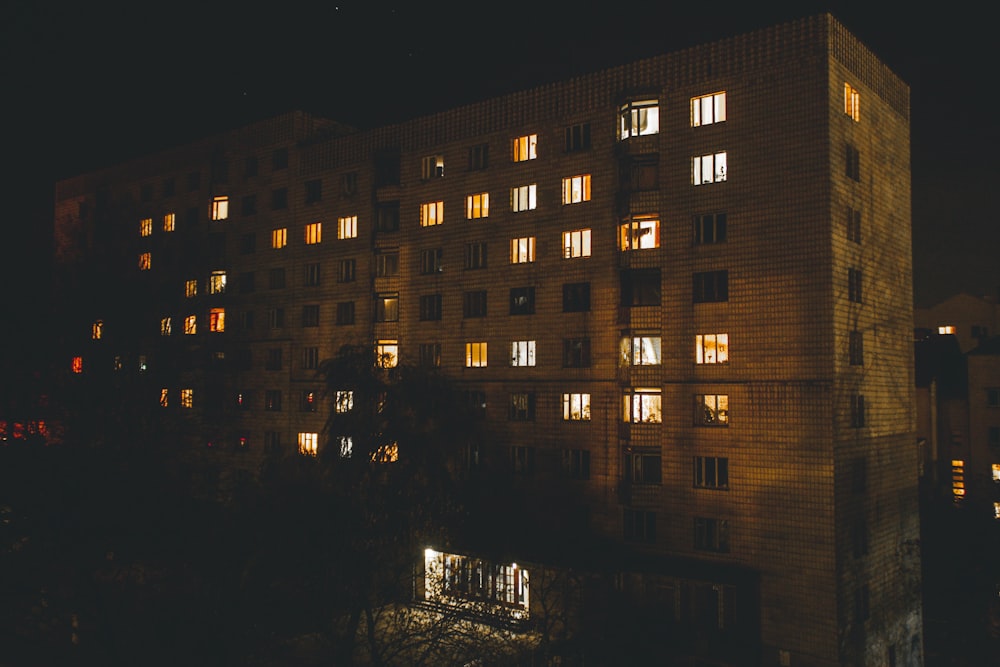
(713, 366)
(970, 319)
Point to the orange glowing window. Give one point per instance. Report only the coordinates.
(347, 227)
(190, 288)
(169, 222)
(145, 261)
(308, 443)
(164, 397)
(477, 206)
(946, 330)
(187, 398)
(386, 453)
(576, 189)
(639, 233)
(77, 364)
(852, 102)
(957, 479)
(314, 233)
(279, 238)
(525, 148)
(97, 330)
(146, 227)
(431, 213)
(220, 207)
(476, 355)
(165, 326)
(217, 319)
(191, 325)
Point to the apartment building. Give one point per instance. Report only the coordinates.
(680, 288)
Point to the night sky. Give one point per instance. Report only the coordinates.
(86, 85)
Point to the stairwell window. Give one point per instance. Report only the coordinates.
(852, 102)
(639, 118)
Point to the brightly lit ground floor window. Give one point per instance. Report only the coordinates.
(458, 579)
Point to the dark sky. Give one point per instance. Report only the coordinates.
(86, 85)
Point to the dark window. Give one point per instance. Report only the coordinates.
(272, 400)
(246, 320)
(146, 192)
(853, 224)
(169, 187)
(345, 272)
(386, 168)
(522, 301)
(522, 407)
(220, 170)
(387, 217)
(276, 318)
(387, 307)
(430, 355)
(854, 280)
(474, 304)
(475, 255)
(217, 247)
(859, 475)
(276, 278)
(314, 191)
(272, 360)
(308, 401)
(639, 526)
(859, 537)
(578, 137)
(349, 184)
(993, 397)
(640, 173)
(576, 463)
(861, 603)
(279, 198)
(250, 166)
(311, 275)
(430, 307)
(522, 460)
(709, 228)
(246, 282)
(857, 411)
(243, 400)
(479, 157)
(248, 243)
(576, 297)
(310, 358)
(279, 159)
(857, 348)
(192, 218)
(853, 163)
(640, 287)
(576, 353)
(194, 181)
(993, 436)
(711, 535)
(249, 206)
(642, 467)
(475, 400)
(387, 264)
(345, 313)
(710, 286)
(310, 315)
(711, 472)
(430, 261)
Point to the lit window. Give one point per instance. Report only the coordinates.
(711, 348)
(432, 166)
(639, 233)
(708, 168)
(852, 102)
(164, 398)
(708, 109)
(187, 398)
(477, 206)
(957, 480)
(279, 237)
(522, 353)
(525, 148)
(346, 443)
(639, 118)
(191, 324)
(576, 243)
(523, 198)
(387, 353)
(97, 330)
(431, 213)
(77, 364)
(220, 208)
(190, 288)
(576, 407)
(386, 453)
(641, 351)
(343, 401)
(169, 222)
(642, 406)
(576, 189)
(217, 282)
(996, 509)
(347, 227)
(314, 233)
(165, 328)
(217, 319)
(387, 307)
(522, 250)
(711, 410)
(475, 355)
(946, 330)
(996, 472)
(145, 261)
(143, 366)
(450, 577)
(146, 227)
(309, 443)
